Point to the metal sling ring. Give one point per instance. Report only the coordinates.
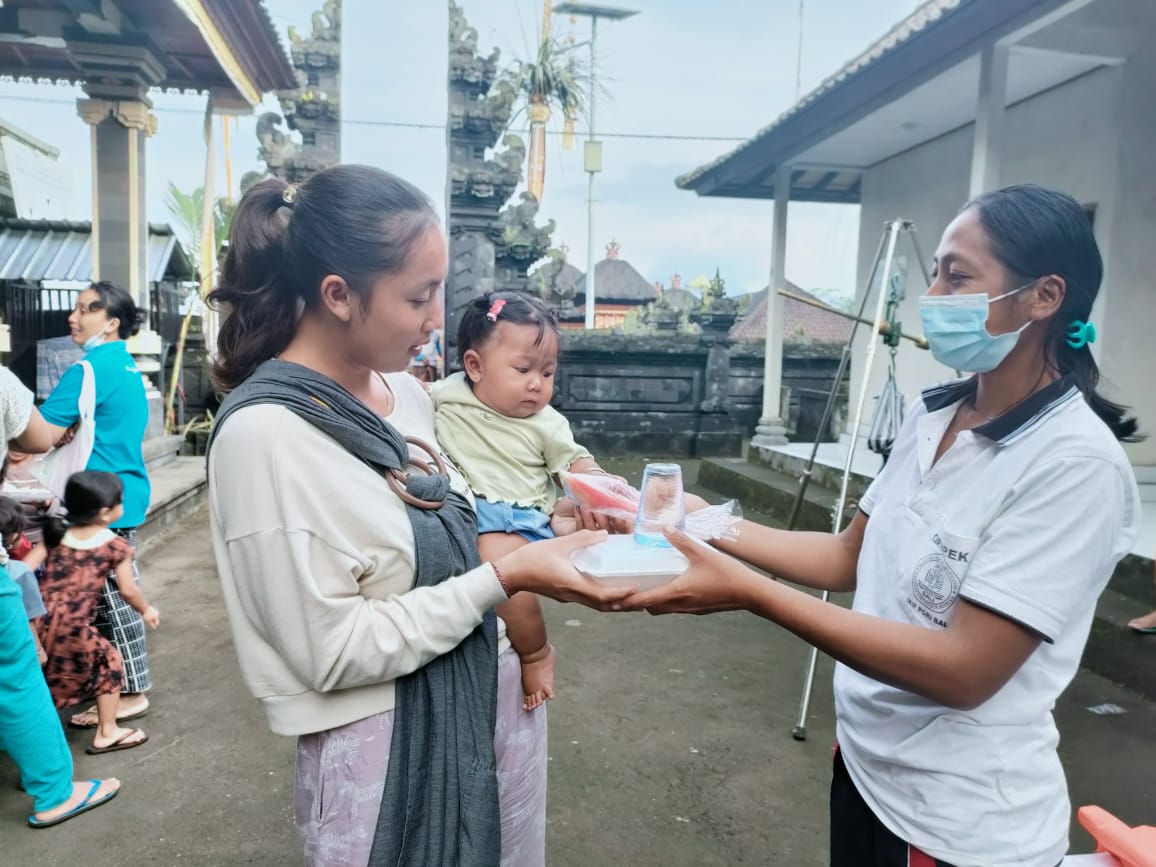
(397, 479)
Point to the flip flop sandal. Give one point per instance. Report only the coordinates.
(1143, 630)
(119, 744)
(136, 714)
(89, 803)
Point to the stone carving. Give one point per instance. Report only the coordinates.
(276, 144)
(489, 247)
(715, 298)
(513, 158)
(716, 312)
(467, 68)
(517, 236)
(313, 109)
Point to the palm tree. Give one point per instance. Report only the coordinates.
(557, 78)
(186, 209)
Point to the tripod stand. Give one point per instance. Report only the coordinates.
(890, 328)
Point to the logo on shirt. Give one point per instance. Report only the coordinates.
(934, 584)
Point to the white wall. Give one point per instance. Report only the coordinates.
(1090, 137)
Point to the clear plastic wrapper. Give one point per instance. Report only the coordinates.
(609, 495)
(715, 522)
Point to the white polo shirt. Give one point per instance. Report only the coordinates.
(1026, 516)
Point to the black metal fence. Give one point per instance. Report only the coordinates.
(34, 313)
(31, 314)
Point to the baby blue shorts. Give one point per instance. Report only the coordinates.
(531, 524)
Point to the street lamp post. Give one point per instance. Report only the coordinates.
(592, 152)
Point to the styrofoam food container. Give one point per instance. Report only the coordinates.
(622, 561)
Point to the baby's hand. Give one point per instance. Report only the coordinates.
(564, 521)
(538, 677)
(152, 617)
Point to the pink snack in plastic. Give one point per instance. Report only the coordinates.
(602, 494)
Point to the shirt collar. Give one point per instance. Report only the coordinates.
(1018, 420)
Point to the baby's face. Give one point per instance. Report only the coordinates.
(514, 376)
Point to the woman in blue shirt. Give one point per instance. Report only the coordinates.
(104, 317)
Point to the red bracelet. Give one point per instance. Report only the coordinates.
(501, 580)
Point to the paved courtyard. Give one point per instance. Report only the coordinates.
(669, 745)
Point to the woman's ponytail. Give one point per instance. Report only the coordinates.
(260, 303)
(355, 222)
(1080, 365)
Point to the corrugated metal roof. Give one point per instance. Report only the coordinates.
(39, 250)
(926, 15)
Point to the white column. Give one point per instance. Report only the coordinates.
(987, 149)
(771, 431)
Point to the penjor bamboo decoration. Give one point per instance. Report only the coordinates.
(554, 80)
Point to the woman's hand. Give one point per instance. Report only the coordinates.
(545, 568)
(712, 582)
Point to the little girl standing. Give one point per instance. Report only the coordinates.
(494, 420)
(81, 553)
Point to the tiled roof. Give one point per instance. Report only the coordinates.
(679, 298)
(802, 323)
(917, 21)
(617, 280)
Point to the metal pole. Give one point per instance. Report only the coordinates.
(590, 287)
(800, 731)
(829, 408)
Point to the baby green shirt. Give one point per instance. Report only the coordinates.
(506, 460)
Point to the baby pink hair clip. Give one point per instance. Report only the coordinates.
(495, 309)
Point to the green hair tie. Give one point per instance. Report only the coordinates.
(1081, 333)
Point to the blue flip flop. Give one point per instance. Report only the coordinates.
(1143, 630)
(90, 802)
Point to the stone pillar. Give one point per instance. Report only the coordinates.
(717, 433)
(119, 223)
(479, 111)
(118, 112)
(770, 430)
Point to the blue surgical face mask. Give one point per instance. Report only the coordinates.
(956, 328)
(94, 341)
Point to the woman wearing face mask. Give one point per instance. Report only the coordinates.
(103, 319)
(976, 558)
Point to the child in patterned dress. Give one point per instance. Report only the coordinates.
(82, 551)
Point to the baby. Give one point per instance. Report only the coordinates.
(494, 420)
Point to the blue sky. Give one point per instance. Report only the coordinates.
(680, 67)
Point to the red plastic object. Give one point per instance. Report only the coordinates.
(601, 493)
(1132, 847)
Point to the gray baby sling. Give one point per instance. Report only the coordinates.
(439, 807)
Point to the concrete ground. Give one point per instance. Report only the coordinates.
(669, 745)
